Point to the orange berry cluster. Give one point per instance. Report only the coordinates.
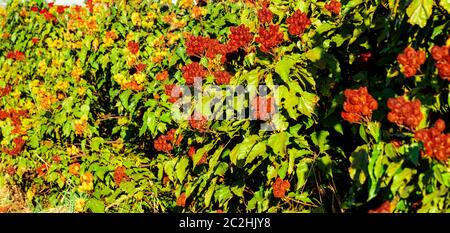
(162, 76)
(133, 47)
(165, 143)
(269, 38)
(411, 60)
(441, 54)
(120, 175)
(436, 143)
(383, 208)
(196, 45)
(404, 113)
(15, 55)
(280, 187)
(359, 105)
(297, 23)
(192, 71)
(199, 123)
(240, 37)
(5, 90)
(140, 67)
(15, 116)
(263, 107)
(173, 91)
(333, 6)
(222, 77)
(264, 14)
(181, 200)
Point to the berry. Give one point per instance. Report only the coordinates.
(181, 200)
(173, 91)
(133, 47)
(279, 187)
(264, 14)
(222, 77)
(383, 208)
(269, 38)
(334, 7)
(436, 143)
(404, 113)
(359, 105)
(120, 175)
(411, 60)
(240, 37)
(199, 123)
(192, 71)
(297, 23)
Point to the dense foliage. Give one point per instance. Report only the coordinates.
(357, 106)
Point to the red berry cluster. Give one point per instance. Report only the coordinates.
(35, 40)
(436, 143)
(162, 76)
(197, 45)
(15, 55)
(222, 77)
(411, 60)
(5, 90)
(19, 144)
(333, 6)
(263, 107)
(280, 187)
(120, 175)
(359, 105)
(181, 200)
(240, 37)
(133, 47)
(383, 208)
(60, 9)
(165, 143)
(10, 170)
(192, 71)
(441, 54)
(404, 113)
(297, 23)
(42, 170)
(200, 46)
(140, 67)
(264, 14)
(269, 38)
(364, 57)
(174, 92)
(199, 123)
(132, 85)
(48, 16)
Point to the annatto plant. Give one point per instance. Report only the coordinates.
(352, 116)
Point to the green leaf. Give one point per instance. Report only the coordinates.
(124, 98)
(96, 206)
(181, 168)
(258, 150)
(362, 133)
(314, 54)
(419, 11)
(445, 4)
(95, 143)
(283, 68)
(321, 140)
(307, 102)
(209, 193)
(302, 169)
(278, 143)
(241, 150)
